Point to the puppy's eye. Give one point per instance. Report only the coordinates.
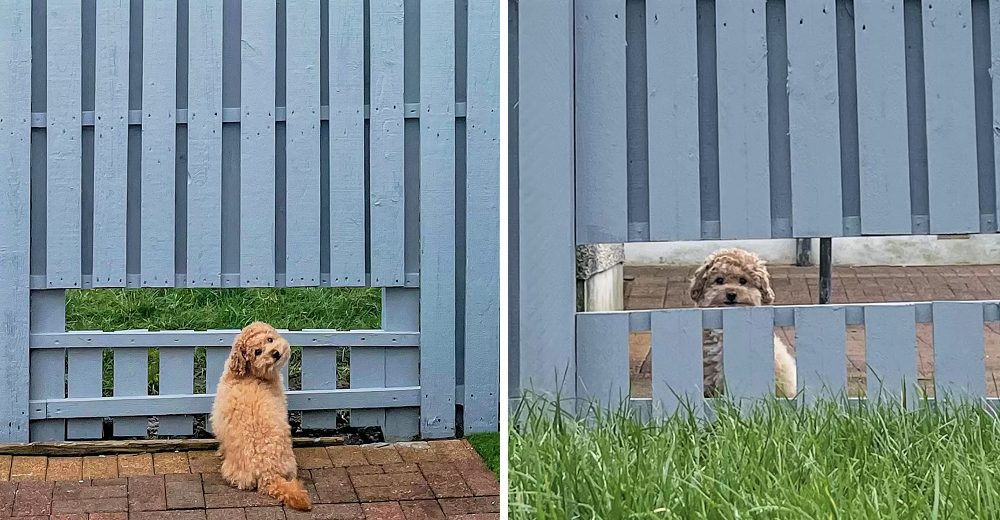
(719, 281)
(270, 340)
(258, 352)
(743, 281)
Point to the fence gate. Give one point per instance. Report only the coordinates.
(250, 144)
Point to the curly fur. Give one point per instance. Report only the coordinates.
(736, 277)
(250, 418)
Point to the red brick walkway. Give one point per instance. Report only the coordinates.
(418, 480)
(667, 287)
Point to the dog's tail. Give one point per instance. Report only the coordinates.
(289, 492)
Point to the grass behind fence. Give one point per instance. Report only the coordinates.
(202, 309)
(826, 461)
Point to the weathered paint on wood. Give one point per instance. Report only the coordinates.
(602, 376)
(748, 352)
(820, 351)
(891, 352)
(959, 350)
(678, 385)
(176, 377)
(48, 368)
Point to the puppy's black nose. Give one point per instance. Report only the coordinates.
(730, 297)
(276, 355)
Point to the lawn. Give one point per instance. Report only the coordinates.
(487, 445)
(830, 461)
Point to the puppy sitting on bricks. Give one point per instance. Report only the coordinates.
(250, 418)
(735, 277)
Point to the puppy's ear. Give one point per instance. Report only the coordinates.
(697, 288)
(763, 280)
(239, 362)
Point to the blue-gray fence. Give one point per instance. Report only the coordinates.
(660, 120)
(251, 144)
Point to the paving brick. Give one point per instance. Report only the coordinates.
(312, 458)
(383, 511)
(445, 480)
(28, 468)
(135, 465)
(388, 479)
(170, 463)
(72, 516)
(364, 470)
(394, 493)
(333, 485)
(226, 514)
(90, 505)
(454, 450)
(482, 482)
(32, 498)
(4, 468)
(204, 462)
(399, 468)
(233, 497)
(476, 516)
(471, 505)
(265, 513)
(100, 466)
(109, 516)
(168, 515)
(422, 510)
(350, 455)
(7, 491)
(417, 451)
(184, 491)
(381, 454)
(87, 490)
(146, 493)
(326, 512)
(64, 468)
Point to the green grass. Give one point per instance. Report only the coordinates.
(487, 445)
(202, 309)
(776, 462)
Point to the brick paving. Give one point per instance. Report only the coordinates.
(667, 287)
(406, 481)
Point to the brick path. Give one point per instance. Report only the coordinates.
(667, 287)
(416, 480)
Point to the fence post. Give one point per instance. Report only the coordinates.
(546, 293)
(15, 128)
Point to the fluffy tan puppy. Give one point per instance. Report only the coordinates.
(736, 277)
(250, 418)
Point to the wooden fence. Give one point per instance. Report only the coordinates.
(250, 144)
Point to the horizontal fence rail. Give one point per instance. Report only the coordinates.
(820, 339)
(701, 119)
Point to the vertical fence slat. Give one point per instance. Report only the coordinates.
(882, 124)
(257, 95)
(302, 144)
(952, 175)
(386, 142)
(891, 351)
(204, 191)
(63, 256)
(347, 144)
(744, 167)
(15, 150)
(110, 143)
(748, 352)
(319, 372)
(959, 362)
(48, 366)
(482, 217)
(672, 84)
(820, 351)
(677, 361)
(176, 377)
(995, 77)
(601, 159)
(401, 311)
(437, 218)
(602, 374)
(814, 118)
(159, 126)
(131, 379)
(215, 362)
(84, 379)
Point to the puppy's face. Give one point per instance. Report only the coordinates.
(732, 277)
(259, 351)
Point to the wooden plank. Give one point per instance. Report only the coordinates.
(482, 220)
(820, 352)
(257, 162)
(319, 372)
(748, 352)
(672, 92)
(176, 377)
(302, 189)
(47, 368)
(386, 142)
(602, 376)
(814, 119)
(678, 385)
(883, 147)
(891, 352)
(437, 218)
(129, 446)
(959, 362)
(84, 379)
(131, 379)
(994, 7)
(204, 190)
(191, 338)
(601, 159)
(215, 362)
(15, 150)
(952, 174)
(744, 168)
(111, 81)
(545, 293)
(347, 144)
(64, 152)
